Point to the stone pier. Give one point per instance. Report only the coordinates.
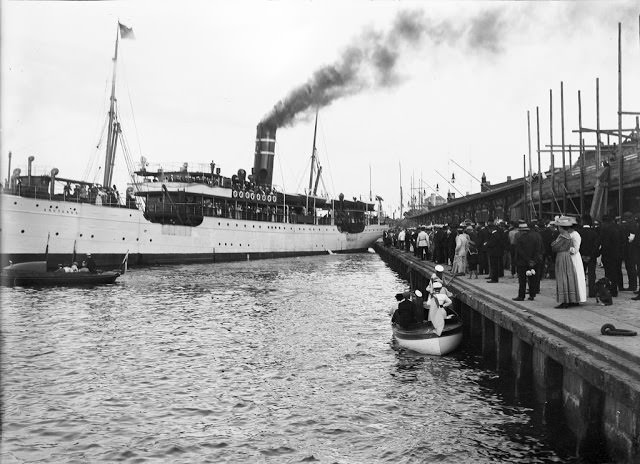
(588, 381)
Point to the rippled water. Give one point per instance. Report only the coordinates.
(287, 360)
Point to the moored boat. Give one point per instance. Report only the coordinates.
(36, 274)
(423, 338)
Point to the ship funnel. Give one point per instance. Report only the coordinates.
(30, 159)
(265, 152)
(54, 173)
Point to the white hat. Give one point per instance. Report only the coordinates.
(439, 268)
(418, 293)
(437, 285)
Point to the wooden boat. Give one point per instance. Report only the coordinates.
(35, 274)
(422, 338)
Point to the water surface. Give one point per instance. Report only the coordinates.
(286, 360)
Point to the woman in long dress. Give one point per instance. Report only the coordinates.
(460, 257)
(576, 258)
(568, 280)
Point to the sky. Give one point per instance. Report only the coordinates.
(404, 89)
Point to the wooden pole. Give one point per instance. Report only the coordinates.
(598, 153)
(620, 156)
(530, 166)
(564, 162)
(525, 205)
(553, 163)
(581, 155)
(539, 165)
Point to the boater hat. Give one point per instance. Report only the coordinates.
(418, 293)
(439, 268)
(437, 285)
(565, 221)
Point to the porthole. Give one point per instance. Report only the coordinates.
(151, 240)
(22, 231)
(57, 233)
(122, 238)
(36, 205)
(91, 235)
(15, 202)
(80, 235)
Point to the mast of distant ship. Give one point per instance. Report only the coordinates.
(112, 135)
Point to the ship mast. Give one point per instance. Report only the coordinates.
(313, 153)
(112, 135)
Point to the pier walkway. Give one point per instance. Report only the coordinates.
(591, 379)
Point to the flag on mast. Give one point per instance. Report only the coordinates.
(126, 32)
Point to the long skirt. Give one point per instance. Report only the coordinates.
(566, 279)
(459, 265)
(576, 259)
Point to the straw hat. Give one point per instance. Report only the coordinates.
(565, 221)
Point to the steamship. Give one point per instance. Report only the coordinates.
(182, 215)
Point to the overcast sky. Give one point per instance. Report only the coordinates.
(399, 82)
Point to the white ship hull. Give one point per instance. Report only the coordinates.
(108, 233)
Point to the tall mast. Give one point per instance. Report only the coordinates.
(112, 134)
(400, 169)
(313, 152)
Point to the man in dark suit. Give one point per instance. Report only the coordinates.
(610, 249)
(630, 249)
(495, 251)
(589, 250)
(528, 251)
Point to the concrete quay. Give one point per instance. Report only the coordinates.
(588, 381)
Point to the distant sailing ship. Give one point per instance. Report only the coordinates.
(178, 216)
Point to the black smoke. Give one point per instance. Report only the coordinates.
(372, 60)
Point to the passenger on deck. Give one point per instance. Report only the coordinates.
(83, 267)
(404, 316)
(74, 267)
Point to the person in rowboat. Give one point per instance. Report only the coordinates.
(404, 316)
(438, 302)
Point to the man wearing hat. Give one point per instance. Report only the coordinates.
(528, 254)
(91, 264)
(495, 250)
(631, 249)
(611, 252)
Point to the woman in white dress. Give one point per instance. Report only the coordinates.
(460, 258)
(576, 259)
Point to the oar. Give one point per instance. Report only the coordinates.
(125, 262)
(46, 251)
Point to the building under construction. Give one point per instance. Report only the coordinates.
(603, 180)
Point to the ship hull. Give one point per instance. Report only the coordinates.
(108, 233)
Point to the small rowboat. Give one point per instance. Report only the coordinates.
(35, 274)
(423, 339)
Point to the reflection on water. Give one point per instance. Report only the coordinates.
(287, 360)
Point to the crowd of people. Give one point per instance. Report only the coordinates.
(566, 249)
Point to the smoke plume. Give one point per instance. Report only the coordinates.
(371, 61)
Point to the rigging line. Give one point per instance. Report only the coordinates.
(133, 117)
(91, 163)
(284, 190)
(567, 192)
(330, 169)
